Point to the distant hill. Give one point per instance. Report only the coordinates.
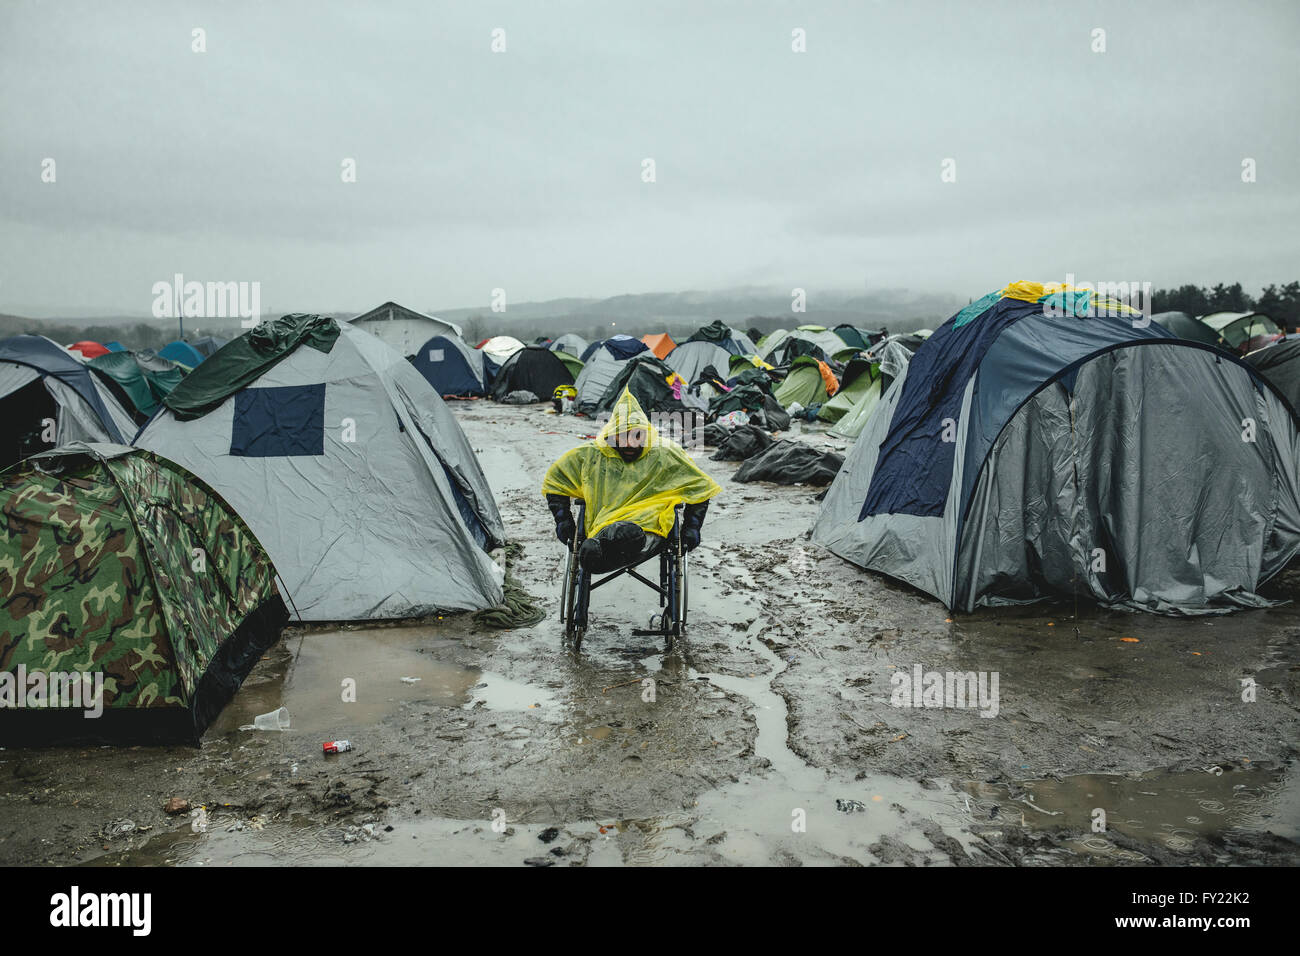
(678, 313)
(681, 313)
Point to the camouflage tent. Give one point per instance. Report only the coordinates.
(120, 570)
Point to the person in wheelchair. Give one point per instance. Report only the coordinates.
(630, 480)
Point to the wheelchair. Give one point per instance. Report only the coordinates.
(669, 623)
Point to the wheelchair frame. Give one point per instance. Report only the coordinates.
(673, 590)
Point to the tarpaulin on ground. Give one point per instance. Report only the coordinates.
(742, 444)
(643, 491)
(790, 463)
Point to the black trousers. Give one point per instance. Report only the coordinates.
(618, 546)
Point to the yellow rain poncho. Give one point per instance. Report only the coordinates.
(643, 491)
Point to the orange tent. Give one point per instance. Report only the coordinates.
(660, 344)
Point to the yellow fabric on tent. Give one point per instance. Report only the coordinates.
(1035, 291)
(643, 491)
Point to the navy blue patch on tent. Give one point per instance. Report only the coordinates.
(279, 422)
(914, 467)
(623, 347)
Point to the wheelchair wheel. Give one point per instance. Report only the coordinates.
(683, 595)
(571, 601)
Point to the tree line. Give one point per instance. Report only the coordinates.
(1280, 303)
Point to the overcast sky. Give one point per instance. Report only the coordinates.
(523, 169)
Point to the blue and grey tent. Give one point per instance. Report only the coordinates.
(49, 398)
(604, 360)
(349, 469)
(1045, 443)
(451, 366)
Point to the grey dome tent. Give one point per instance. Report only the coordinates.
(570, 342)
(1033, 447)
(345, 464)
(1183, 326)
(813, 341)
(49, 398)
(1280, 364)
(691, 358)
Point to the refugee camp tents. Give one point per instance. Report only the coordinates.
(849, 426)
(500, 347)
(451, 366)
(661, 344)
(603, 362)
(858, 378)
(346, 464)
(402, 328)
(88, 350)
(49, 398)
(649, 381)
(620, 346)
(1243, 332)
(208, 345)
(806, 383)
(534, 368)
(890, 356)
(144, 377)
(1036, 446)
(570, 343)
(1183, 326)
(182, 353)
(810, 340)
(690, 359)
(121, 566)
(857, 338)
(571, 362)
(719, 333)
(1280, 364)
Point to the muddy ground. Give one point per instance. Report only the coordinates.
(771, 735)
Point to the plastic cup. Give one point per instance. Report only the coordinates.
(275, 720)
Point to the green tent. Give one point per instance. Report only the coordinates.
(129, 588)
(850, 425)
(145, 377)
(572, 362)
(858, 379)
(804, 384)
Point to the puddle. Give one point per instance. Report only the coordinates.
(312, 686)
(495, 692)
(309, 682)
(1171, 810)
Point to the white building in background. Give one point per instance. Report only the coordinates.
(402, 328)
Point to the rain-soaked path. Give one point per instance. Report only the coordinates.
(769, 737)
